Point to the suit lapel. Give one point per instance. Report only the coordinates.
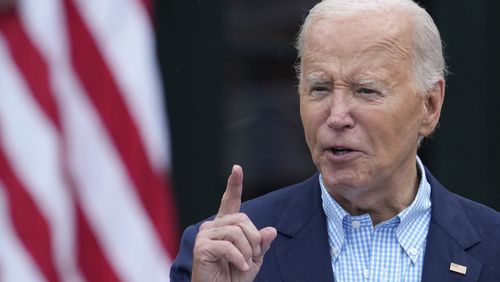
(450, 235)
(302, 248)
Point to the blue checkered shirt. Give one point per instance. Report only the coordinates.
(393, 250)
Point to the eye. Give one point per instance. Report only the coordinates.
(319, 91)
(367, 91)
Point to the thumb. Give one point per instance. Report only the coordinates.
(268, 235)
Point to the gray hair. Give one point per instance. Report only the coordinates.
(427, 63)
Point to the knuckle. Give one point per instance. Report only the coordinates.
(206, 225)
(201, 237)
(242, 217)
(233, 231)
(226, 244)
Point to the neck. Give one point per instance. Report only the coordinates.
(386, 200)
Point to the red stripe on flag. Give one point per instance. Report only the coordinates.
(148, 5)
(93, 264)
(106, 97)
(35, 72)
(30, 63)
(30, 225)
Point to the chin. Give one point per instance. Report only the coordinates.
(339, 179)
(346, 178)
(348, 189)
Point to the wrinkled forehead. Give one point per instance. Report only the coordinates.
(360, 32)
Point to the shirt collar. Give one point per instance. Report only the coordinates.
(412, 231)
(335, 215)
(411, 242)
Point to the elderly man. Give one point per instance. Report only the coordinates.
(371, 87)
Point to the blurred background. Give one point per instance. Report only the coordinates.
(231, 96)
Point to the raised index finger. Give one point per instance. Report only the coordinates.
(231, 200)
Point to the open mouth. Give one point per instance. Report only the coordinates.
(340, 151)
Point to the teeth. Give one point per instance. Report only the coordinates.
(340, 151)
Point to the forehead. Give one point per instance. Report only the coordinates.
(342, 30)
(371, 40)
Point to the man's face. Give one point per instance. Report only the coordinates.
(361, 114)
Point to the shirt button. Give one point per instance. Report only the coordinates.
(334, 251)
(356, 224)
(366, 273)
(413, 252)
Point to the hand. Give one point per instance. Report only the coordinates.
(230, 248)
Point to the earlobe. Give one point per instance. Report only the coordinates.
(433, 103)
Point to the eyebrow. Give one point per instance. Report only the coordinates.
(317, 78)
(323, 79)
(365, 81)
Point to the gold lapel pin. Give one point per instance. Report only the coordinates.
(462, 269)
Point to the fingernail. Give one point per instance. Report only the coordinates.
(246, 267)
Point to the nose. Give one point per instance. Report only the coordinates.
(340, 117)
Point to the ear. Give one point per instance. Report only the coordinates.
(433, 103)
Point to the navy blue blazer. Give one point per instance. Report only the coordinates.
(461, 231)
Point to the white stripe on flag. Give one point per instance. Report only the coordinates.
(37, 160)
(124, 35)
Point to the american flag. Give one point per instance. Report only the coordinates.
(84, 188)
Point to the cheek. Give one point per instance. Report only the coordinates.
(409, 119)
(308, 128)
(311, 122)
(396, 131)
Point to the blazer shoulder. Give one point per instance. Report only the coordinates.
(448, 206)
(462, 231)
(485, 219)
(486, 223)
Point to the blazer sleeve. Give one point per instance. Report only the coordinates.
(183, 263)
